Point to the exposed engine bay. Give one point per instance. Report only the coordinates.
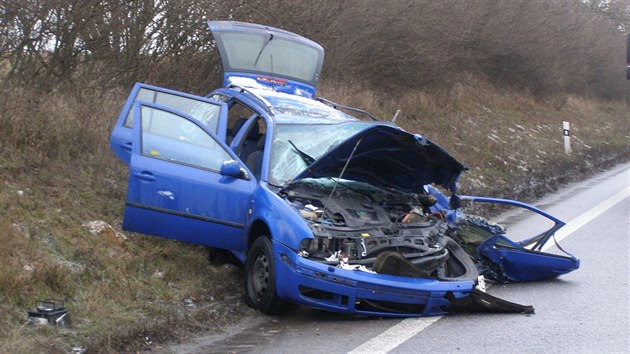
(359, 226)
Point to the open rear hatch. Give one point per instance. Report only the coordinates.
(256, 55)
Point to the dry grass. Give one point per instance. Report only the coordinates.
(512, 141)
(57, 173)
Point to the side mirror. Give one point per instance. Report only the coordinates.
(420, 140)
(230, 168)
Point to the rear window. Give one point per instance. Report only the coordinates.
(265, 53)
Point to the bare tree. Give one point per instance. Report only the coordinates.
(540, 46)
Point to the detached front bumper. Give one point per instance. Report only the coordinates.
(334, 289)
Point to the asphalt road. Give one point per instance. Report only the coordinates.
(586, 311)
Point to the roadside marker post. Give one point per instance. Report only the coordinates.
(566, 134)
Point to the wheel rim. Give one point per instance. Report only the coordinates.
(260, 276)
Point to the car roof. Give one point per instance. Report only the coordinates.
(293, 109)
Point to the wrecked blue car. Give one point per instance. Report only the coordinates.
(324, 209)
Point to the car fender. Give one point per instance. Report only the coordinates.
(285, 224)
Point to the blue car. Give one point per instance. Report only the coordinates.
(324, 209)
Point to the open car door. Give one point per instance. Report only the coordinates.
(184, 182)
(256, 55)
(504, 260)
(498, 257)
(211, 113)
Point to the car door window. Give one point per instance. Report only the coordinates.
(237, 116)
(207, 113)
(252, 147)
(169, 136)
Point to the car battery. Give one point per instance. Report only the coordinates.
(49, 311)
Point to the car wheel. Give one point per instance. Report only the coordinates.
(260, 282)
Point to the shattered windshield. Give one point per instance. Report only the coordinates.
(295, 145)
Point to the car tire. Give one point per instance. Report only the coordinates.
(260, 278)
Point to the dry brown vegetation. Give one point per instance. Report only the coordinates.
(511, 140)
(57, 176)
(489, 81)
(540, 46)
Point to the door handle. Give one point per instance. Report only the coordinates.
(145, 176)
(126, 146)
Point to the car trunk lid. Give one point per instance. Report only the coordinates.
(256, 55)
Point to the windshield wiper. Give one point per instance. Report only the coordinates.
(263, 48)
(308, 159)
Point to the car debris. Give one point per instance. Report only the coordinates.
(49, 311)
(190, 303)
(322, 208)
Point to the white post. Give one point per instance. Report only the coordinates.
(395, 116)
(567, 137)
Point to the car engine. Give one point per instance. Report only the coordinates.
(358, 225)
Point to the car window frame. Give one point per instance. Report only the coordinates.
(137, 137)
(132, 98)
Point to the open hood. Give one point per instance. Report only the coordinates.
(387, 156)
(281, 60)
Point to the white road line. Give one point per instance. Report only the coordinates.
(590, 215)
(405, 329)
(395, 335)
